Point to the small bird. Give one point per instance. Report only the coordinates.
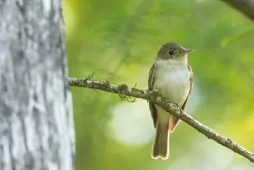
(172, 77)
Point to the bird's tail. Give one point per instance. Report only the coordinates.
(161, 144)
(173, 122)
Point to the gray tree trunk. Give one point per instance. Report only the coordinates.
(36, 121)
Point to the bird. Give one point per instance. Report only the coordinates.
(172, 78)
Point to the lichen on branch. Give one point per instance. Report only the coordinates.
(124, 90)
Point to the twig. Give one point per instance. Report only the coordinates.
(170, 107)
(244, 6)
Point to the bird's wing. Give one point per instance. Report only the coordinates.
(151, 81)
(191, 86)
(174, 121)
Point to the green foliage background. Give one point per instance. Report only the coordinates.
(118, 41)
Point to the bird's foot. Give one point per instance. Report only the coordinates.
(175, 106)
(156, 93)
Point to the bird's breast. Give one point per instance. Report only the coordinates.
(173, 82)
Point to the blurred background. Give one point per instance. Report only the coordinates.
(118, 41)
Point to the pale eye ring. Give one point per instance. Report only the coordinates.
(171, 52)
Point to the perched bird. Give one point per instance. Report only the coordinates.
(171, 76)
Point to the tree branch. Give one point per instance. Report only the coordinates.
(124, 90)
(244, 6)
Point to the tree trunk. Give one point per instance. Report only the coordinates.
(36, 120)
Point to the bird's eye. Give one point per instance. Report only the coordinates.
(171, 52)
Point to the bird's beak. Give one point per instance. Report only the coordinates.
(187, 51)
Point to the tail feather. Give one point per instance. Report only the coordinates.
(173, 122)
(161, 144)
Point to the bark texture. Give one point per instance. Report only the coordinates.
(127, 93)
(36, 120)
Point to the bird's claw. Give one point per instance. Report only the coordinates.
(174, 106)
(156, 93)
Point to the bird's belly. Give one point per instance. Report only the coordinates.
(173, 84)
